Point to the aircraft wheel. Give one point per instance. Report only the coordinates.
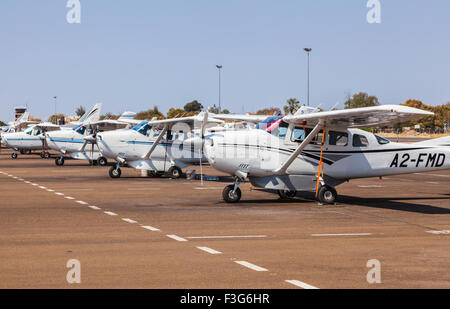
(175, 172)
(102, 161)
(327, 195)
(231, 197)
(59, 161)
(44, 155)
(22, 152)
(115, 172)
(14, 155)
(287, 194)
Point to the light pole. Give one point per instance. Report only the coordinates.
(308, 51)
(220, 87)
(56, 120)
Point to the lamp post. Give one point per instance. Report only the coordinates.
(219, 67)
(56, 120)
(308, 51)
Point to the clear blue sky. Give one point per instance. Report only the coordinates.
(134, 54)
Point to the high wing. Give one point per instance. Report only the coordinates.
(110, 124)
(245, 118)
(360, 117)
(351, 118)
(192, 121)
(47, 126)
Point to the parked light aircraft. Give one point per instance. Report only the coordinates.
(317, 151)
(158, 146)
(74, 142)
(33, 137)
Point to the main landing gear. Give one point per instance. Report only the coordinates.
(287, 194)
(45, 155)
(175, 172)
(327, 195)
(14, 155)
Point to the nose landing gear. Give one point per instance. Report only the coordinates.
(232, 194)
(115, 171)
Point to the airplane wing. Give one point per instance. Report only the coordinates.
(47, 126)
(245, 118)
(110, 124)
(382, 115)
(193, 120)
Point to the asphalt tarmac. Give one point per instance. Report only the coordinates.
(137, 232)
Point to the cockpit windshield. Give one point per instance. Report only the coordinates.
(381, 140)
(143, 128)
(80, 129)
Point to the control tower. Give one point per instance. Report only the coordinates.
(19, 111)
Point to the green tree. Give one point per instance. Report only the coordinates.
(361, 99)
(176, 113)
(56, 118)
(109, 116)
(226, 111)
(291, 107)
(269, 111)
(80, 111)
(193, 106)
(2, 124)
(150, 114)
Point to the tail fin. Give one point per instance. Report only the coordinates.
(23, 118)
(127, 116)
(92, 115)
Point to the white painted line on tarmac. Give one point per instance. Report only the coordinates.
(177, 238)
(144, 189)
(209, 250)
(227, 237)
(59, 193)
(69, 198)
(208, 188)
(82, 203)
(337, 235)
(251, 266)
(150, 228)
(129, 220)
(34, 184)
(302, 285)
(94, 208)
(444, 232)
(109, 213)
(27, 182)
(42, 187)
(50, 190)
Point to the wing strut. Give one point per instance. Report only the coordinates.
(161, 135)
(300, 148)
(320, 172)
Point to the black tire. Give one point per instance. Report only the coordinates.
(102, 161)
(327, 195)
(175, 172)
(115, 172)
(230, 197)
(14, 155)
(59, 161)
(287, 194)
(42, 155)
(22, 152)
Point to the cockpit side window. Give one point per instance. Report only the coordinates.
(338, 138)
(381, 140)
(360, 141)
(28, 131)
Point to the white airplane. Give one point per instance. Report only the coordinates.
(17, 126)
(155, 146)
(317, 151)
(33, 138)
(73, 142)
